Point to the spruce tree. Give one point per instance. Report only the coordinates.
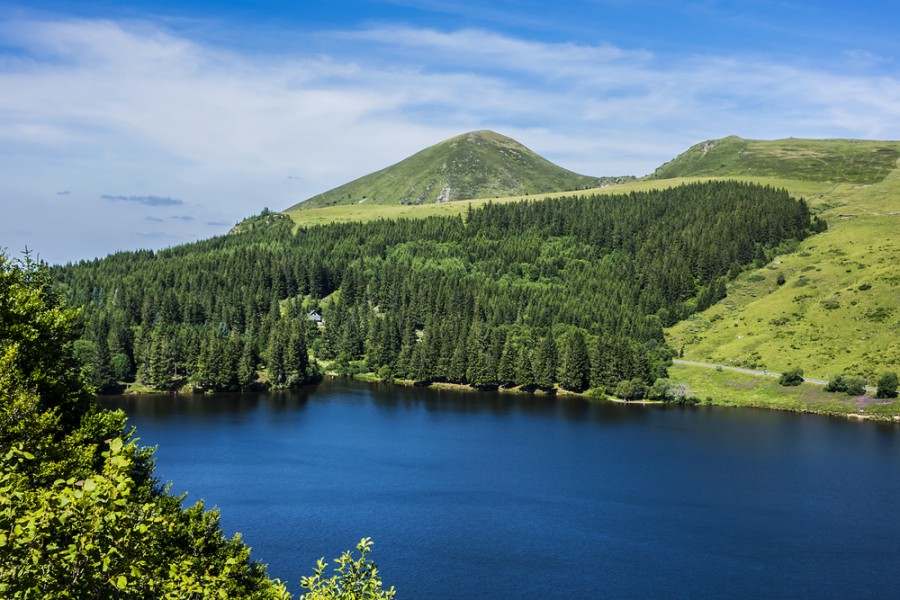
(297, 358)
(525, 369)
(573, 364)
(101, 370)
(419, 370)
(458, 362)
(246, 367)
(275, 356)
(506, 370)
(545, 363)
(162, 362)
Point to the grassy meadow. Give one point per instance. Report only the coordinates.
(838, 310)
(728, 388)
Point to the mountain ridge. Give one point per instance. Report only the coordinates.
(477, 164)
(831, 160)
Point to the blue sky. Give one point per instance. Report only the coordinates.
(130, 125)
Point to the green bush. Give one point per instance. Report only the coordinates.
(854, 385)
(887, 385)
(791, 377)
(353, 579)
(836, 384)
(631, 390)
(669, 391)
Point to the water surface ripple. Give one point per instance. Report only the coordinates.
(502, 496)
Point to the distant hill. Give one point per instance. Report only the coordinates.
(480, 164)
(836, 161)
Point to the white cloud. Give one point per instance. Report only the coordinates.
(95, 106)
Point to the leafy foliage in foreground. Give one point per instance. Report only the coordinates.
(80, 513)
(572, 291)
(353, 579)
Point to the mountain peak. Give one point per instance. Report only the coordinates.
(477, 164)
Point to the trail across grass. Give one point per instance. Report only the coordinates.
(751, 371)
(735, 387)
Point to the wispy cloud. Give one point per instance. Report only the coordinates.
(156, 235)
(146, 200)
(145, 108)
(185, 218)
(63, 193)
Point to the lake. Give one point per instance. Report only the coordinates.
(502, 496)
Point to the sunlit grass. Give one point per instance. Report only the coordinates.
(839, 309)
(370, 212)
(729, 388)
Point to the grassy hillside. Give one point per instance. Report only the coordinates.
(480, 164)
(838, 310)
(837, 161)
(369, 212)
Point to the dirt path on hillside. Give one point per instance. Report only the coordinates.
(749, 371)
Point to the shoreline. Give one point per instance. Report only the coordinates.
(558, 392)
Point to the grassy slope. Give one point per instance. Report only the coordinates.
(479, 164)
(371, 212)
(849, 161)
(819, 320)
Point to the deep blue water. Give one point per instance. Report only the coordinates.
(479, 495)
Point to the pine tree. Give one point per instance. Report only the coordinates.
(545, 363)
(297, 359)
(246, 367)
(275, 356)
(506, 370)
(162, 362)
(573, 364)
(101, 369)
(525, 373)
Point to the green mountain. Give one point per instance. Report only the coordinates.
(480, 164)
(836, 161)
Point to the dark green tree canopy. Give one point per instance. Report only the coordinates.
(499, 282)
